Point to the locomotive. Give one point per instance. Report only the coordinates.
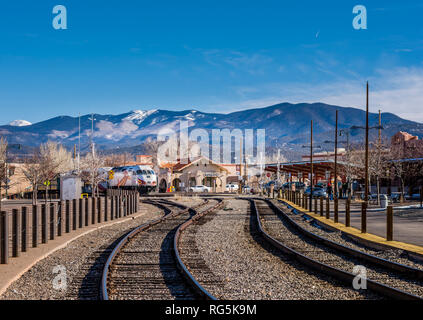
(140, 177)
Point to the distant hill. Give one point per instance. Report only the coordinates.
(287, 125)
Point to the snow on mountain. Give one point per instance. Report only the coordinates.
(138, 116)
(20, 123)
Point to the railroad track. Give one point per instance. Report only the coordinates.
(384, 277)
(146, 263)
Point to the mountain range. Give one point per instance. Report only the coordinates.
(287, 125)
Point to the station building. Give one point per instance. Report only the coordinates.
(199, 171)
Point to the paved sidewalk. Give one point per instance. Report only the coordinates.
(18, 266)
(408, 224)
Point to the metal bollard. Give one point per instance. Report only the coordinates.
(389, 223)
(364, 217)
(4, 237)
(16, 228)
(44, 230)
(53, 208)
(35, 229)
(321, 206)
(24, 230)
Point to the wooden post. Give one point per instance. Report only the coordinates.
(112, 207)
(99, 208)
(4, 237)
(327, 208)
(53, 208)
(336, 210)
(75, 214)
(60, 218)
(35, 226)
(16, 230)
(67, 217)
(348, 212)
(87, 203)
(24, 231)
(81, 213)
(389, 223)
(44, 230)
(315, 205)
(364, 217)
(106, 208)
(94, 213)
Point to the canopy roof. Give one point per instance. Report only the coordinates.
(319, 167)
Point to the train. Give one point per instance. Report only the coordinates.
(139, 177)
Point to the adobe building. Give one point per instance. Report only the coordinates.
(200, 171)
(405, 145)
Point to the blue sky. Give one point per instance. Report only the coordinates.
(213, 56)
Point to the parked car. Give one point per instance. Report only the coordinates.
(276, 186)
(414, 196)
(395, 196)
(247, 189)
(232, 187)
(298, 186)
(199, 188)
(318, 191)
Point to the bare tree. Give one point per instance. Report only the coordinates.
(32, 170)
(3, 165)
(378, 163)
(46, 164)
(90, 166)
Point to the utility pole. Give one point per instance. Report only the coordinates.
(367, 147)
(336, 157)
(380, 129)
(240, 166)
(278, 172)
(311, 166)
(79, 141)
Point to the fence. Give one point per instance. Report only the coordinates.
(302, 200)
(30, 226)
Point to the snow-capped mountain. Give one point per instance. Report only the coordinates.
(20, 123)
(284, 124)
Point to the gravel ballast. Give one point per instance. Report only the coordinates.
(249, 268)
(395, 255)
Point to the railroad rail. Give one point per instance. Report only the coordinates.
(384, 277)
(146, 263)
